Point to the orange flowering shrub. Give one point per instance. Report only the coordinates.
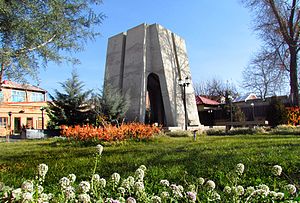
(293, 115)
(110, 132)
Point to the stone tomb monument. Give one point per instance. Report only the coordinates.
(146, 63)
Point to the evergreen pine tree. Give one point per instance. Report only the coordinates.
(70, 107)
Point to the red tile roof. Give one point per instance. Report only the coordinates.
(204, 100)
(14, 85)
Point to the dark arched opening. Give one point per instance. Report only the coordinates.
(155, 112)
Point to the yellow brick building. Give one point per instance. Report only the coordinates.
(21, 106)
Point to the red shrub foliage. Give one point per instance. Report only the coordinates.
(293, 115)
(110, 132)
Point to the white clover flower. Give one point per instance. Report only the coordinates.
(72, 177)
(200, 181)
(261, 192)
(115, 178)
(84, 186)
(272, 194)
(69, 193)
(291, 189)
(99, 149)
(279, 195)
(227, 189)
(17, 193)
(164, 195)
(156, 199)
(215, 196)
(164, 183)
(176, 190)
(239, 190)
(239, 169)
(40, 189)
(180, 188)
(42, 170)
(210, 184)
(84, 198)
(276, 170)
(113, 201)
(250, 190)
(264, 188)
(27, 186)
(130, 200)
(121, 190)
(102, 183)
(143, 167)
(139, 174)
(131, 181)
(50, 196)
(43, 198)
(192, 196)
(192, 188)
(126, 184)
(96, 178)
(139, 186)
(27, 197)
(64, 182)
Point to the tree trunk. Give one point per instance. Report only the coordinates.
(293, 77)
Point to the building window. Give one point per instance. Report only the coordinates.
(3, 122)
(17, 96)
(29, 123)
(37, 97)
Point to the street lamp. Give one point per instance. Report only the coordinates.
(230, 101)
(9, 114)
(42, 109)
(184, 84)
(252, 105)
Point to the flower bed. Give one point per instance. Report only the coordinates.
(110, 132)
(134, 189)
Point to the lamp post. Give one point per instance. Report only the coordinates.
(184, 84)
(252, 105)
(9, 114)
(230, 101)
(42, 109)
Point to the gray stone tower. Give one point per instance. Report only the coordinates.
(146, 63)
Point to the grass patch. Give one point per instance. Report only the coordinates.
(175, 159)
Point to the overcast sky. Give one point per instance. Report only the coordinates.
(218, 36)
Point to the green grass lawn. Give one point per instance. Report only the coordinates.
(175, 159)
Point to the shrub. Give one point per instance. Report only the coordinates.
(111, 133)
(293, 115)
(276, 113)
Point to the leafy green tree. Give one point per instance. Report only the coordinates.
(109, 105)
(34, 32)
(70, 107)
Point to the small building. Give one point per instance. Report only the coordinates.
(206, 108)
(21, 106)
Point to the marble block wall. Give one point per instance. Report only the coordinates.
(146, 63)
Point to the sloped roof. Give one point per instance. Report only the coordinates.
(14, 85)
(203, 100)
(245, 98)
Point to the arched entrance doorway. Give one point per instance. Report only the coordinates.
(155, 107)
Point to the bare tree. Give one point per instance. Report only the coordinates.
(215, 89)
(264, 75)
(278, 23)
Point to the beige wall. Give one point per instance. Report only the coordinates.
(22, 113)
